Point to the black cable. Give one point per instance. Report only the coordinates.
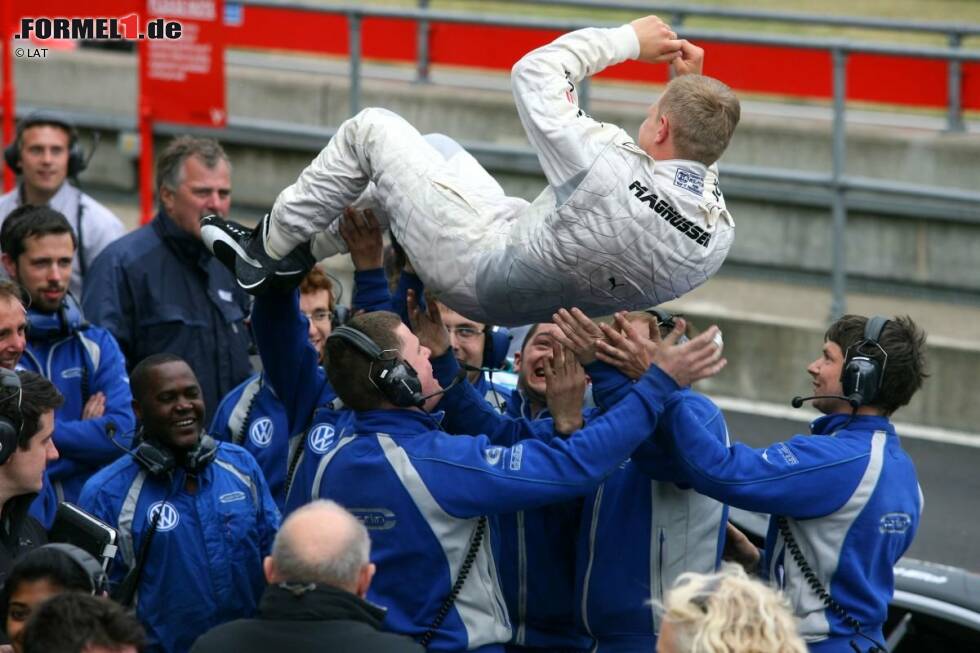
(475, 540)
(820, 590)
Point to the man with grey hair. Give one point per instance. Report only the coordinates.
(319, 573)
(159, 289)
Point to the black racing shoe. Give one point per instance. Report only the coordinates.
(241, 250)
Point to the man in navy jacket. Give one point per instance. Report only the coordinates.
(159, 289)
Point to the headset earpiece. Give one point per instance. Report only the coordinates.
(864, 369)
(10, 428)
(202, 455)
(76, 155)
(159, 460)
(395, 379)
(496, 344)
(97, 578)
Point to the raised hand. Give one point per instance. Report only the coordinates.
(362, 233)
(696, 359)
(691, 61)
(579, 334)
(658, 43)
(427, 324)
(629, 352)
(565, 390)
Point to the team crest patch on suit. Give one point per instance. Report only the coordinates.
(375, 519)
(689, 181)
(493, 455)
(261, 432)
(71, 373)
(322, 437)
(169, 517)
(894, 523)
(516, 457)
(231, 497)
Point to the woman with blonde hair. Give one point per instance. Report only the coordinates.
(726, 612)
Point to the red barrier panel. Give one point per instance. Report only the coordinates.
(770, 70)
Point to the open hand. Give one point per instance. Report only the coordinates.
(579, 334)
(696, 359)
(565, 390)
(427, 324)
(362, 233)
(658, 43)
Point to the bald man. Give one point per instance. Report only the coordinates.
(319, 573)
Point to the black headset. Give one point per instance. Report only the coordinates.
(864, 370)
(76, 155)
(394, 378)
(159, 460)
(10, 427)
(97, 578)
(496, 344)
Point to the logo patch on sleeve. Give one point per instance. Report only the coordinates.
(689, 180)
(787, 455)
(894, 523)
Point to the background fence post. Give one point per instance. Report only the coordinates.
(839, 153)
(354, 28)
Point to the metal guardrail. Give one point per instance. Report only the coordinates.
(837, 181)
(678, 13)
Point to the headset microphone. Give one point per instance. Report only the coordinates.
(853, 400)
(460, 375)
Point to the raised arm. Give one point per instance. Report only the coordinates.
(545, 83)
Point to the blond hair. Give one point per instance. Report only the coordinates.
(728, 612)
(703, 113)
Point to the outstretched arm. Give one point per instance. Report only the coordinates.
(566, 139)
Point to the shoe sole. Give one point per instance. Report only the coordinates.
(216, 239)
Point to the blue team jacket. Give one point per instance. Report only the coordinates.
(204, 565)
(291, 369)
(640, 530)
(428, 490)
(79, 365)
(852, 503)
(252, 417)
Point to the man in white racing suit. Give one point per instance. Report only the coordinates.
(623, 223)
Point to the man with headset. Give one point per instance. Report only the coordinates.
(845, 502)
(432, 498)
(46, 153)
(27, 405)
(82, 360)
(195, 518)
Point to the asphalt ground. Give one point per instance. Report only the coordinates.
(948, 473)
